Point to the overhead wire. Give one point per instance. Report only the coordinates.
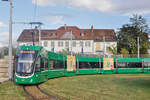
(35, 12)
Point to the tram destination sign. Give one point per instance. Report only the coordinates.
(27, 51)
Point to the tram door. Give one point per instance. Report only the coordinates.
(71, 63)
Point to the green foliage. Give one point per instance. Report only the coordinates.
(1, 55)
(125, 52)
(65, 52)
(128, 34)
(4, 51)
(113, 49)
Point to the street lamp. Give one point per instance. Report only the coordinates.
(10, 70)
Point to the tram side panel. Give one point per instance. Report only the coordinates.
(88, 65)
(56, 65)
(146, 65)
(129, 65)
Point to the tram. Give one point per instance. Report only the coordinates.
(34, 65)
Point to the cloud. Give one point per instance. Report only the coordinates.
(2, 24)
(48, 2)
(4, 37)
(123, 7)
(4, 34)
(54, 18)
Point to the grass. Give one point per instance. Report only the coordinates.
(100, 87)
(88, 87)
(9, 91)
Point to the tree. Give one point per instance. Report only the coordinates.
(113, 49)
(4, 51)
(1, 55)
(128, 34)
(124, 52)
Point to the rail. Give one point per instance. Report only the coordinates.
(34, 92)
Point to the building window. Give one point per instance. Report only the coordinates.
(60, 44)
(81, 43)
(45, 43)
(74, 43)
(66, 44)
(87, 44)
(67, 49)
(81, 34)
(53, 34)
(52, 44)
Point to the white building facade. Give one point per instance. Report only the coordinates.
(84, 41)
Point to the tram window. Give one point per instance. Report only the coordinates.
(146, 64)
(129, 65)
(114, 64)
(88, 65)
(135, 65)
(37, 65)
(57, 64)
(101, 64)
(44, 64)
(94, 64)
(122, 65)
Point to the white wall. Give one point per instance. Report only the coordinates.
(77, 49)
(104, 45)
(149, 51)
(27, 43)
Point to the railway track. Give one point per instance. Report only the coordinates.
(34, 92)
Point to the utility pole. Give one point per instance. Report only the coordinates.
(10, 43)
(104, 45)
(71, 43)
(10, 69)
(138, 46)
(39, 34)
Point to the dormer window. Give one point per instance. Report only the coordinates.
(82, 34)
(53, 34)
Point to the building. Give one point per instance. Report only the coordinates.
(84, 41)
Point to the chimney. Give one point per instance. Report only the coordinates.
(65, 26)
(36, 28)
(92, 28)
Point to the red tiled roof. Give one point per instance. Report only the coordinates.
(97, 34)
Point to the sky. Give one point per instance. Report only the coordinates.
(102, 14)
